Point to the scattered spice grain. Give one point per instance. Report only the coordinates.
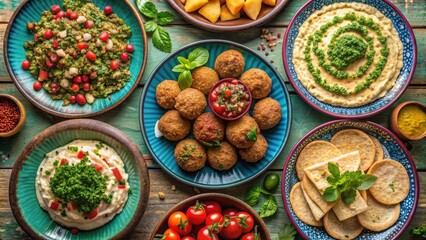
(9, 114)
(161, 195)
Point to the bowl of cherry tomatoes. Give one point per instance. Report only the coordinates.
(211, 216)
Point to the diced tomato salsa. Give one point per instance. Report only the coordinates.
(229, 99)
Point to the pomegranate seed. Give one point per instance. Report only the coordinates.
(49, 63)
(124, 57)
(108, 10)
(86, 87)
(81, 99)
(55, 44)
(37, 86)
(73, 16)
(48, 34)
(88, 24)
(104, 36)
(55, 9)
(75, 87)
(77, 79)
(130, 47)
(85, 78)
(72, 99)
(30, 26)
(26, 64)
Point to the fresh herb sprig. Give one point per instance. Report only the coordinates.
(160, 37)
(268, 207)
(419, 231)
(196, 58)
(287, 232)
(252, 134)
(346, 184)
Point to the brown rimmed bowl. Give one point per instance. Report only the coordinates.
(224, 200)
(394, 121)
(265, 15)
(22, 193)
(22, 118)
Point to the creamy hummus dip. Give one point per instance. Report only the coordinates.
(68, 176)
(348, 54)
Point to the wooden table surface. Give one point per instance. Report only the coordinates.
(125, 118)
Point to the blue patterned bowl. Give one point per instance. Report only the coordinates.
(22, 193)
(14, 53)
(410, 58)
(162, 149)
(393, 148)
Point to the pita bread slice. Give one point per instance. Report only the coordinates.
(315, 195)
(316, 211)
(318, 173)
(379, 149)
(348, 229)
(344, 211)
(301, 207)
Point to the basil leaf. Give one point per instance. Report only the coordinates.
(149, 10)
(269, 207)
(334, 170)
(348, 197)
(184, 61)
(165, 17)
(185, 79)
(199, 56)
(253, 195)
(368, 182)
(179, 68)
(161, 40)
(150, 26)
(252, 135)
(332, 180)
(330, 194)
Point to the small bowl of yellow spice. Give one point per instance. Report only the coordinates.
(408, 121)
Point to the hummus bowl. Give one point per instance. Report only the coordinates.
(25, 192)
(349, 59)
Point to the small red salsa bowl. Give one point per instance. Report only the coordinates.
(229, 99)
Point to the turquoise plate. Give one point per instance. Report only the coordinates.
(162, 149)
(14, 53)
(22, 193)
(393, 148)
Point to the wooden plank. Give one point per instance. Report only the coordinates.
(160, 181)
(193, 34)
(126, 118)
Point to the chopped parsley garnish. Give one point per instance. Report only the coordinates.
(99, 146)
(47, 172)
(55, 163)
(392, 186)
(252, 135)
(73, 148)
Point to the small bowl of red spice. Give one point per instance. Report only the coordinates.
(12, 115)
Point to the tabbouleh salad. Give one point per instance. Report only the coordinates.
(79, 53)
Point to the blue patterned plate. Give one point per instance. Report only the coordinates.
(410, 58)
(393, 148)
(162, 149)
(14, 53)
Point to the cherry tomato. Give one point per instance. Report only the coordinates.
(75, 87)
(212, 207)
(213, 96)
(271, 181)
(206, 234)
(124, 57)
(55, 44)
(37, 86)
(81, 45)
(228, 93)
(217, 108)
(88, 24)
(81, 99)
(130, 47)
(26, 64)
(187, 238)
(55, 9)
(43, 75)
(108, 10)
(232, 230)
(250, 236)
(246, 221)
(215, 221)
(196, 214)
(114, 64)
(73, 15)
(48, 34)
(179, 223)
(170, 234)
(86, 87)
(91, 56)
(230, 212)
(104, 36)
(77, 79)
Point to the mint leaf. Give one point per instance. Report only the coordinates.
(287, 232)
(150, 26)
(179, 68)
(161, 40)
(252, 135)
(149, 10)
(368, 182)
(199, 56)
(334, 170)
(330, 194)
(348, 197)
(269, 207)
(165, 17)
(185, 79)
(184, 61)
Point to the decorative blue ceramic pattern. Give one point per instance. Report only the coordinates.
(31, 12)
(407, 38)
(162, 149)
(393, 149)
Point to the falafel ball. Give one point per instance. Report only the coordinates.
(203, 79)
(190, 103)
(190, 155)
(256, 152)
(267, 113)
(229, 64)
(166, 93)
(173, 126)
(258, 82)
(209, 129)
(222, 157)
(242, 132)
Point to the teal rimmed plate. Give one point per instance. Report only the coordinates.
(22, 193)
(162, 149)
(14, 53)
